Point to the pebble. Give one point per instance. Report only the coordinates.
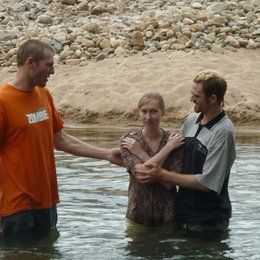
(81, 30)
(137, 39)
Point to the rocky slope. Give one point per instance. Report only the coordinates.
(82, 30)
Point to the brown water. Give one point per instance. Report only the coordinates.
(92, 222)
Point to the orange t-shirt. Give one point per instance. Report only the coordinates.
(28, 121)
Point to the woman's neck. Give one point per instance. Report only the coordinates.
(153, 138)
(151, 133)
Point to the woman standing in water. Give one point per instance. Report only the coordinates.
(152, 203)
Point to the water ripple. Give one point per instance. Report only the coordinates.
(92, 222)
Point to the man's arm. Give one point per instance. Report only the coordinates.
(129, 150)
(70, 144)
(153, 172)
(132, 146)
(174, 141)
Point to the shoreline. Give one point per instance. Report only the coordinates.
(106, 93)
(244, 134)
(250, 128)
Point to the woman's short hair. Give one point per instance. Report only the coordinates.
(151, 95)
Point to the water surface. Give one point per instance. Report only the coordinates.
(92, 222)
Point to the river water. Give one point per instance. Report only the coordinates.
(92, 222)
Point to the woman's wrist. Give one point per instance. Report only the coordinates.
(168, 147)
(143, 156)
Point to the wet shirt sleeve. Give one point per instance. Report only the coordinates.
(220, 158)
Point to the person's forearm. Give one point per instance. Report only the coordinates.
(160, 157)
(75, 146)
(141, 167)
(183, 180)
(138, 151)
(167, 185)
(143, 156)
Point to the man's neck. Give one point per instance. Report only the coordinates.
(22, 82)
(211, 114)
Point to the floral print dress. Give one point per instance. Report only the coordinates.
(152, 203)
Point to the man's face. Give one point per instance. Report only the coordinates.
(42, 69)
(201, 102)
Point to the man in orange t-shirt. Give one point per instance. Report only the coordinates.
(30, 128)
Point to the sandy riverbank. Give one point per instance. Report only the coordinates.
(106, 92)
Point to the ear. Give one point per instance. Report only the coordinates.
(29, 61)
(213, 99)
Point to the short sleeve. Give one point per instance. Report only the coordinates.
(184, 128)
(219, 161)
(57, 120)
(190, 120)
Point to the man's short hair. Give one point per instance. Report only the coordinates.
(32, 48)
(213, 83)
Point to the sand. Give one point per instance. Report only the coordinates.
(107, 92)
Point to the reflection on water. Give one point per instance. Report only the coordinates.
(36, 248)
(92, 220)
(168, 243)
